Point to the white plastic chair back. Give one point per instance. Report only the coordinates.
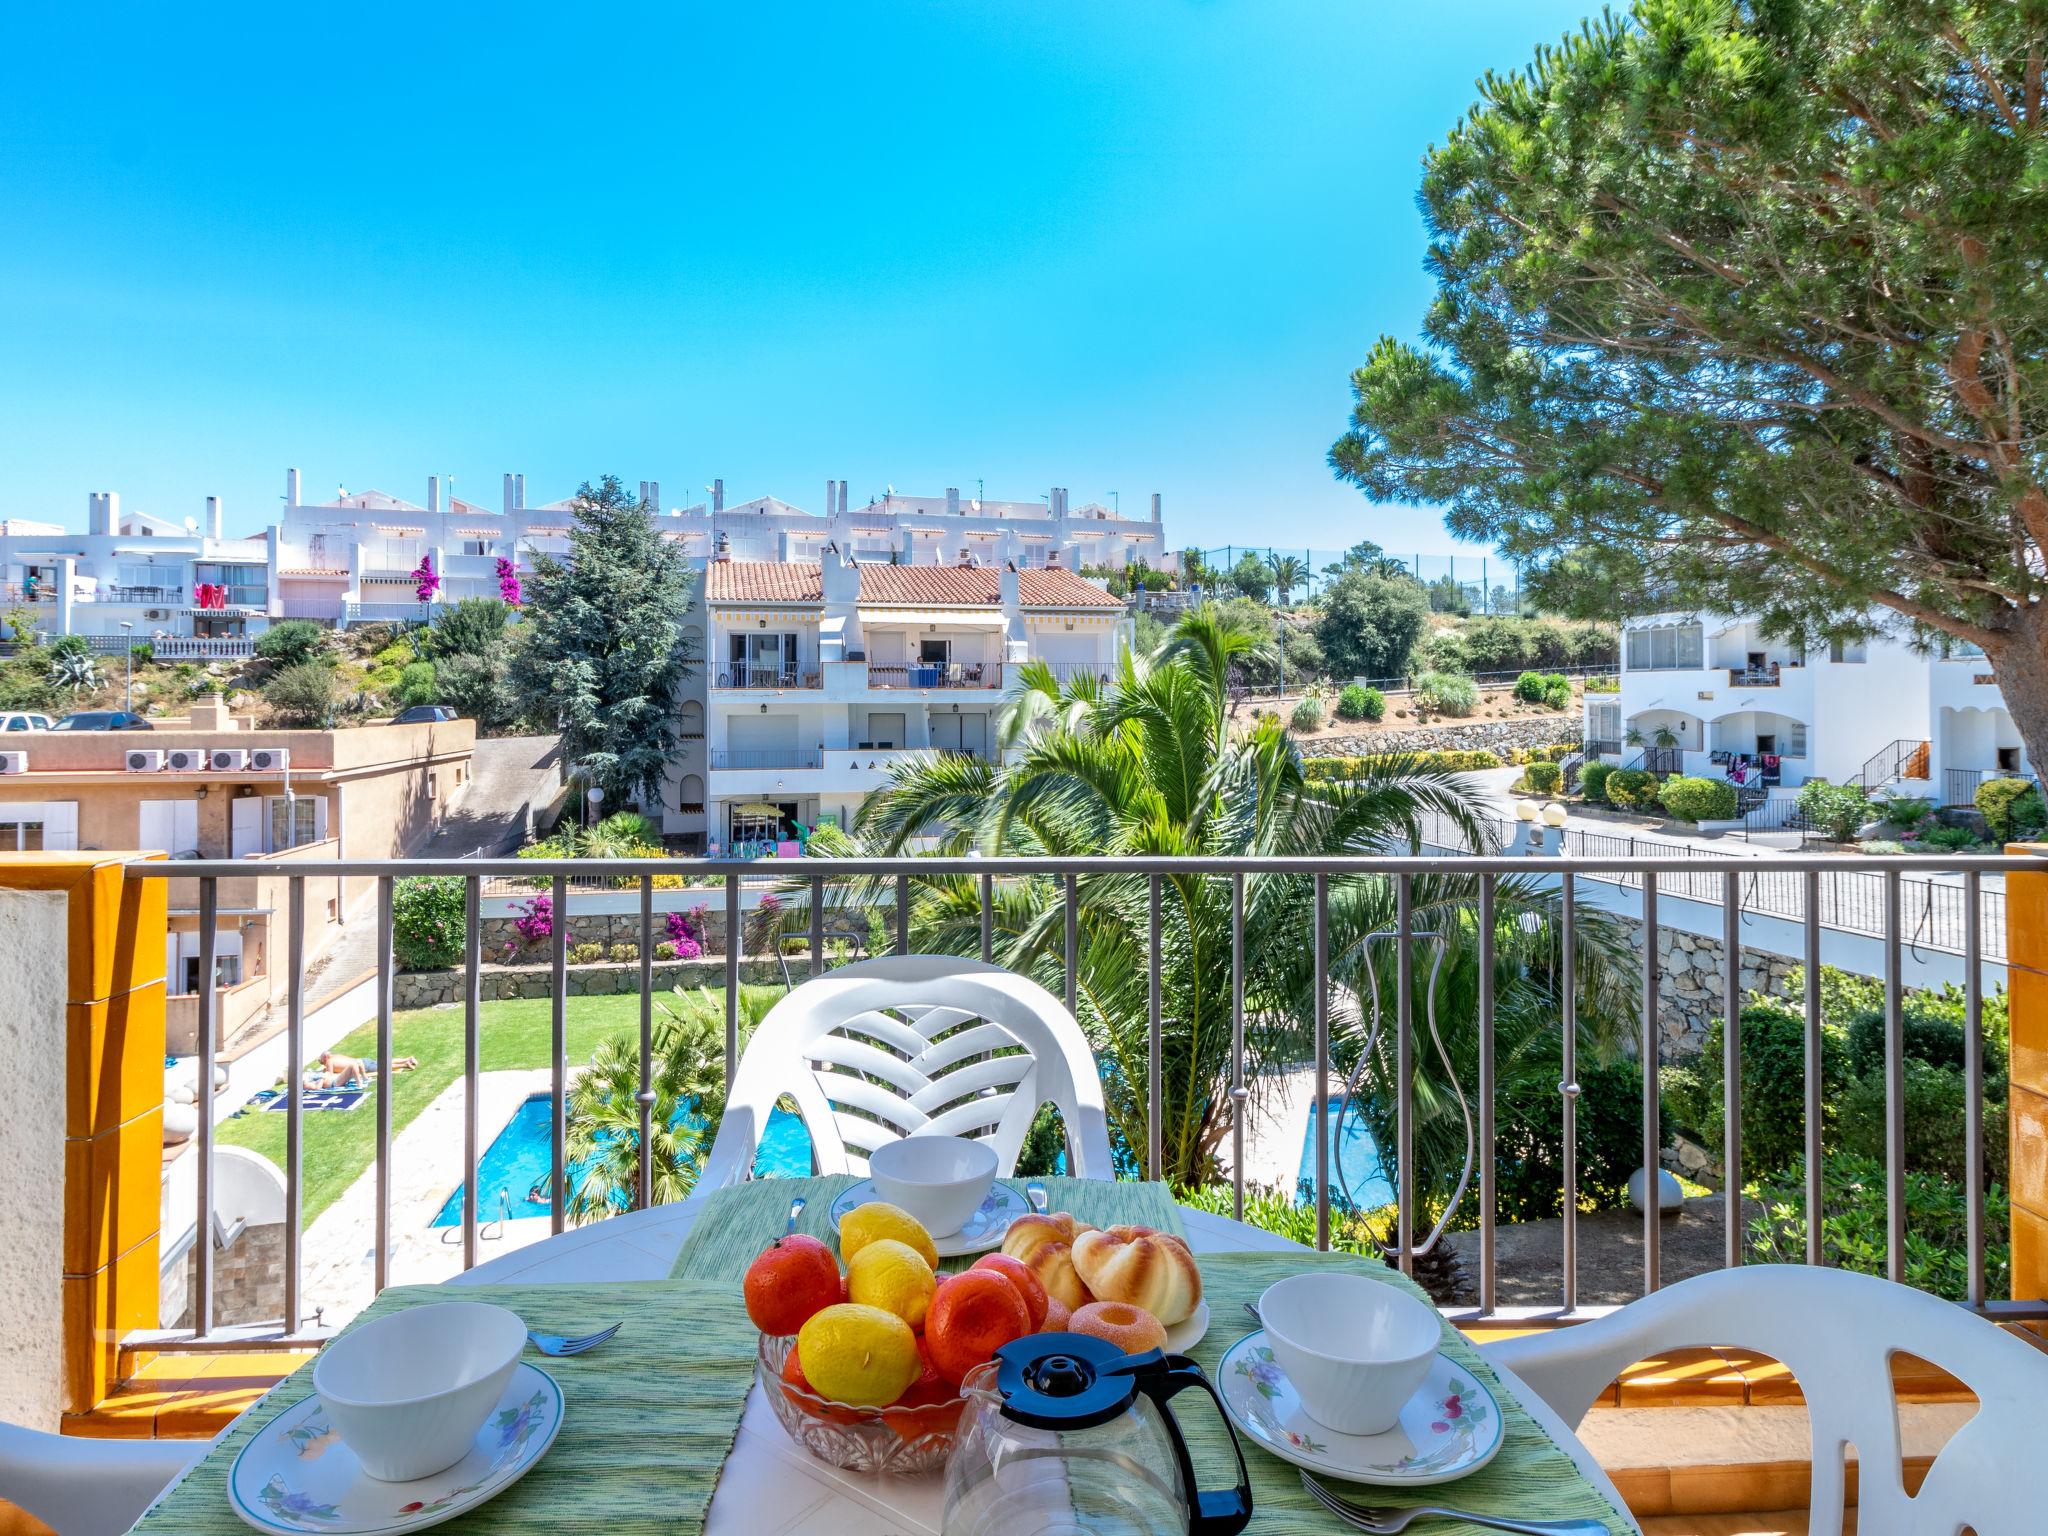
(85, 1487)
(1837, 1332)
(888, 1048)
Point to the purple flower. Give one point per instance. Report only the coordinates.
(508, 583)
(536, 919)
(427, 582)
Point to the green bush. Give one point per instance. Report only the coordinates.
(2010, 807)
(587, 954)
(1835, 809)
(417, 685)
(1695, 799)
(399, 653)
(1593, 780)
(1308, 713)
(1446, 693)
(1543, 778)
(292, 643)
(1529, 1140)
(1529, 687)
(1603, 685)
(427, 921)
(1630, 788)
(304, 696)
(1342, 768)
(1358, 702)
(1854, 1226)
(1557, 693)
(1549, 688)
(1905, 810)
(1935, 1102)
(67, 646)
(1773, 1086)
(1949, 839)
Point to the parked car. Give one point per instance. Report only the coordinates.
(423, 714)
(23, 720)
(103, 720)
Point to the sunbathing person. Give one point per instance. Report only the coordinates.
(337, 1071)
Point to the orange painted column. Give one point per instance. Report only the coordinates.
(113, 1113)
(2026, 948)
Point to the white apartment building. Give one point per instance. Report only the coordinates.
(185, 587)
(822, 675)
(1705, 693)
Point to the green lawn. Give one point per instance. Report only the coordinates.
(339, 1147)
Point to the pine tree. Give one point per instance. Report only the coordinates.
(603, 644)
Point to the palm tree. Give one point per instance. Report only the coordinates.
(689, 1100)
(1149, 767)
(1289, 572)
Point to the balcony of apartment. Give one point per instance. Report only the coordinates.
(1695, 1413)
(766, 677)
(935, 676)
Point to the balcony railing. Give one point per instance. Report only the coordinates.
(769, 757)
(765, 677)
(1752, 677)
(387, 613)
(1243, 882)
(951, 674)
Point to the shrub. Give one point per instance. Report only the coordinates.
(1905, 810)
(588, 953)
(1935, 1103)
(536, 919)
(427, 921)
(1529, 687)
(622, 954)
(1773, 1086)
(416, 685)
(1835, 809)
(292, 643)
(1949, 839)
(1695, 799)
(1446, 693)
(2009, 807)
(1629, 788)
(1340, 768)
(305, 695)
(1603, 685)
(1358, 702)
(664, 951)
(1548, 688)
(1529, 1138)
(1557, 693)
(1593, 780)
(1543, 778)
(1308, 714)
(67, 646)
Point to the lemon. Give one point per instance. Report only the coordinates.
(893, 1276)
(859, 1355)
(878, 1219)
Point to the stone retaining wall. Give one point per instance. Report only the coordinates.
(1455, 736)
(1689, 984)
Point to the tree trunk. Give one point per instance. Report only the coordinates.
(2021, 666)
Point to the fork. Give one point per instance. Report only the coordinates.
(1385, 1520)
(555, 1344)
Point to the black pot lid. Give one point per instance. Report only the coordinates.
(1067, 1380)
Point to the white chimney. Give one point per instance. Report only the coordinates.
(291, 487)
(509, 503)
(831, 497)
(952, 501)
(519, 490)
(103, 512)
(213, 518)
(434, 493)
(718, 495)
(842, 498)
(654, 494)
(1155, 506)
(643, 492)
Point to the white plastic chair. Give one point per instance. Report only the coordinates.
(856, 1049)
(1837, 1332)
(84, 1487)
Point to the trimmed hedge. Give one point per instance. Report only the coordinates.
(1593, 780)
(1543, 778)
(1698, 799)
(2008, 806)
(1358, 702)
(1631, 788)
(1339, 768)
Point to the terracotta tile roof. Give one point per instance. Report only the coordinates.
(763, 581)
(943, 586)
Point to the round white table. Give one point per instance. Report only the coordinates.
(772, 1487)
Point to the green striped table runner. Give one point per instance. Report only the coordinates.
(646, 1425)
(1530, 1479)
(735, 1224)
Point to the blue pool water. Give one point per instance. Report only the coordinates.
(1357, 1178)
(516, 1162)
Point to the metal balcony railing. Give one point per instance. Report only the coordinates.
(1752, 677)
(765, 677)
(771, 757)
(935, 674)
(1740, 886)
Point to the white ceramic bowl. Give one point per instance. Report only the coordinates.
(1355, 1349)
(941, 1180)
(407, 1393)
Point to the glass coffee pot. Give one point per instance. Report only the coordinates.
(1063, 1434)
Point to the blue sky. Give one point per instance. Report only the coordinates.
(1119, 245)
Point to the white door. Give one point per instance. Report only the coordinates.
(946, 732)
(245, 827)
(168, 826)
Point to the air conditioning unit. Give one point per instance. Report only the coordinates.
(185, 760)
(141, 760)
(270, 759)
(13, 762)
(156, 615)
(228, 760)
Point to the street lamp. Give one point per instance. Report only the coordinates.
(128, 693)
(594, 798)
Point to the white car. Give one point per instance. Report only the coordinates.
(21, 720)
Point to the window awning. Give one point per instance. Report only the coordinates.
(956, 618)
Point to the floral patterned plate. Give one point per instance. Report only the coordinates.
(984, 1229)
(296, 1475)
(1449, 1428)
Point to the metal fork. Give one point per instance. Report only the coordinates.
(1385, 1520)
(555, 1344)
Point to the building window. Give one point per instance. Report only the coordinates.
(1795, 740)
(1603, 722)
(1666, 648)
(296, 822)
(1854, 652)
(2008, 759)
(433, 786)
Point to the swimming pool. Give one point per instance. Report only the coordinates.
(515, 1165)
(1357, 1178)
